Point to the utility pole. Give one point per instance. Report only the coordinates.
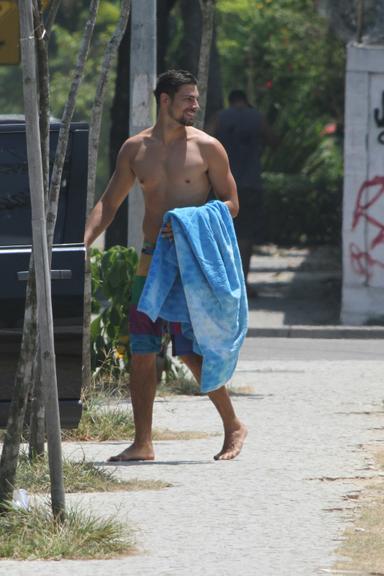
(142, 100)
(41, 258)
(207, 8)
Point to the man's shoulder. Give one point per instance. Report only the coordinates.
(133, 143)
(201, 137)
(209, 146)
(139, 137)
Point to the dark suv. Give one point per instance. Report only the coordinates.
(67, 261)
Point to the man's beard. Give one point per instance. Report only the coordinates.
(183, 121)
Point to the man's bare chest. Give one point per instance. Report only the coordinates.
(172, 164)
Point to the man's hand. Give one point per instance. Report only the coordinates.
(166, 231)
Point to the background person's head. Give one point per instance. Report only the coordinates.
(238, 98)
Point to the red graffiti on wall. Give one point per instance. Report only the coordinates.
(363, 262)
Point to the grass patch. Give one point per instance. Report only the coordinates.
(104, 419)
(182, 385)
(379, 456)
(34, 534)
(363, 546)
(79, 476)
(177, 380)
(102, 423)
(113, 422)
(104, 386)
(167, 434)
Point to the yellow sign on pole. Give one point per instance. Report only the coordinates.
(9, 32)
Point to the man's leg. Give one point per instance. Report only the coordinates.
(234, 431)
(143, 389)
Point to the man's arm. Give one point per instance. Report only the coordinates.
(118, 187)
(220, 175)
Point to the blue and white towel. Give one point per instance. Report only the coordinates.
(197, 279)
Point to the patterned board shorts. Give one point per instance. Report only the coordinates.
(146, 335)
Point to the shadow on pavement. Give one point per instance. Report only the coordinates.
(296, 286)
(153, 462)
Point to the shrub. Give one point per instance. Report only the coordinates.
(305, 208)
(112, 275)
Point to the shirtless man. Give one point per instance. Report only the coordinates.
(176, 165)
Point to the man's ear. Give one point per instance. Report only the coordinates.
(164, 98)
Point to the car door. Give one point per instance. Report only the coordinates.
(67, 269)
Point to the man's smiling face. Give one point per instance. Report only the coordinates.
(184, 105)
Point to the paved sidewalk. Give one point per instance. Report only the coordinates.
(279, 509)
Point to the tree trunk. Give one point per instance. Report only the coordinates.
(191, 41)
(215, 88)
(207, 11)
(42, 265)
(23, 379)
(97, 110)
(37, 417)
(94, 139)
(37, 422)
(117, 232)
(190, 50)
(66, 121)
(362, 20)
(52, 12)
(24, 374)
(164, 8)
(28, 368)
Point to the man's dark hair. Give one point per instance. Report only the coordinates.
(169, 82)
(237, 96)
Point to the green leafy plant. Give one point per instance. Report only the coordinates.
(113, 272)
(305, 208)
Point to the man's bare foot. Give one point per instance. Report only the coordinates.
(233, 443)
(133, 453)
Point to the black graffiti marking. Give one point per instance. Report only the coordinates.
(379, 119)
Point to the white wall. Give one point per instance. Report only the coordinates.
(363, 204)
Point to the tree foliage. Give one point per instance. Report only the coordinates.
(291, 64)
(284, 53)
(64, 41)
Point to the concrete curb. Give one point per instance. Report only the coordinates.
(336, 332)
